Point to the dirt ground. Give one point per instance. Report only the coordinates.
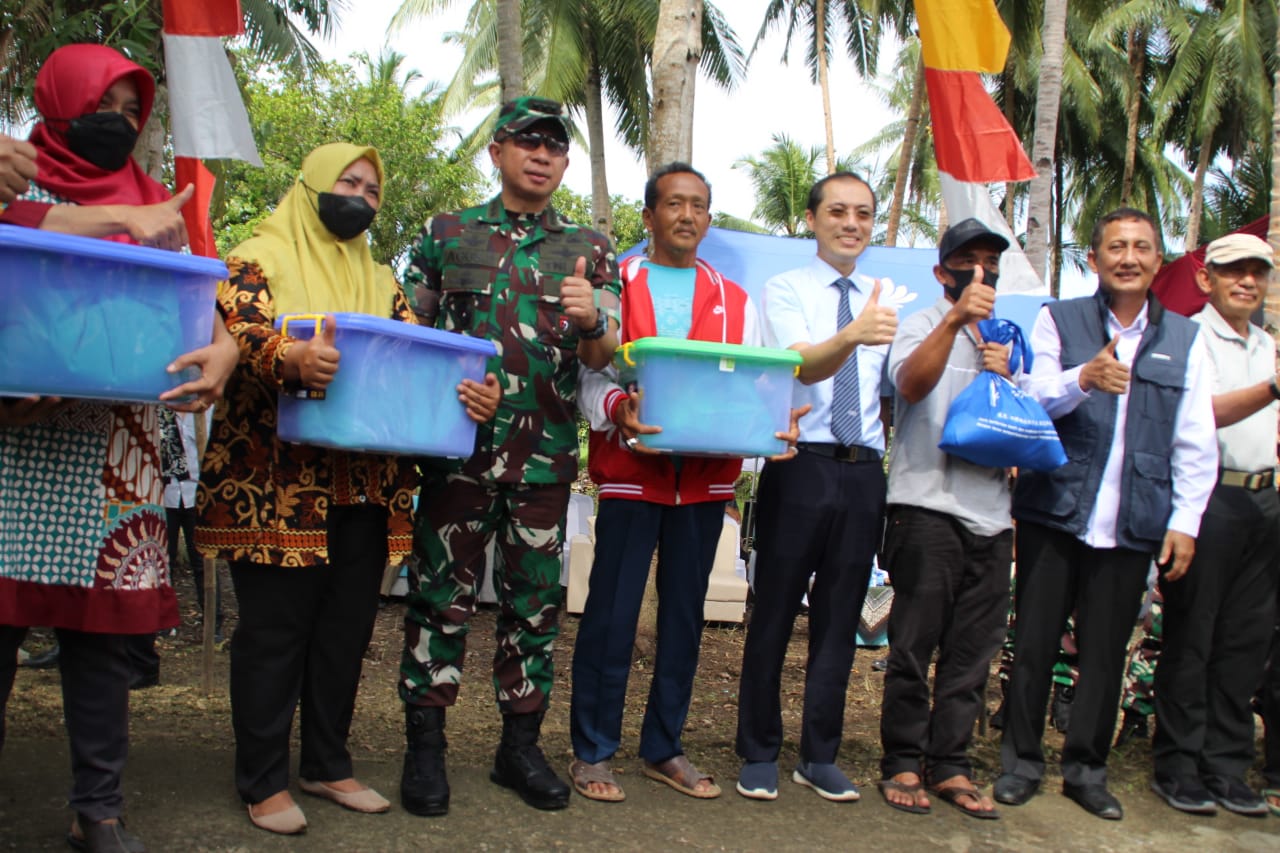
(180, 795)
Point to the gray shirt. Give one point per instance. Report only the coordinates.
(919, 473)
(1235, 363)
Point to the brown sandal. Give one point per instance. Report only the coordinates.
(680, 774)
(583, 774)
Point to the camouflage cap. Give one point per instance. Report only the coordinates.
(518, 114)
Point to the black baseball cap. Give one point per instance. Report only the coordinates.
(966, 231)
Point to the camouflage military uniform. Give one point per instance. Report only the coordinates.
(1139, 679)
(496, 275)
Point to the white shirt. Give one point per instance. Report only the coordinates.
(800, 306)
(1235, 363)
(1194, 455)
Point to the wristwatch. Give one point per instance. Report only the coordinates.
(596, 332)
(1275, 389)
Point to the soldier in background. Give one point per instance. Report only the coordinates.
(513, 271)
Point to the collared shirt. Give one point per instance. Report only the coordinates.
(800, 306)
(919, 473)
(1193, 457)
(1234, 363)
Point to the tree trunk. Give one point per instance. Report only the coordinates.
(149, 152)
(906, 156)
(1048, 96)
(1272, 314)
(1137, 64)
(1197, 194)
(601, 210)
(1059, 185)
(510, 49)
(824, 84)
(677, 48)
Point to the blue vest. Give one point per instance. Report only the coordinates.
(1063, 499)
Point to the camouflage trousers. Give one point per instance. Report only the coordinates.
(457, 518)
(1065, 665)
(1139, 676)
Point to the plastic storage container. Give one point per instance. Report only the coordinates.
(395, 391)
(713, 399)
(98, 319)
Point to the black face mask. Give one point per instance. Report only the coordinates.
(964, 277)
(345, 216)
(104, 139)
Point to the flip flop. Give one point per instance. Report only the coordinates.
(1272, 798)
(887, 785)
(677, 772)
(955, 793)
(584, 773)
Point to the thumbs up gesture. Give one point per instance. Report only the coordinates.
(578, 299)
(314, 362)
(1104, 372)
(978, 300)
(159, 225)
(876, 325)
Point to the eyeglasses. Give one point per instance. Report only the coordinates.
(532, 140)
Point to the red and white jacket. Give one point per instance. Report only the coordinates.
(722, 313)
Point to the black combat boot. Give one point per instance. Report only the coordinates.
(1060, 708)
(424, 787)
(521, 766)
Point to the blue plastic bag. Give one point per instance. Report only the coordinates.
(994, 423)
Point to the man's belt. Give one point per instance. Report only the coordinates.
(841, 452)
(1253, 481)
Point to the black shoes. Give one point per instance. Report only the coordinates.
(521, 766)
(424, 785)
(1095, 799)
(1235, 796)
(1186, 794)
(1060, 710)
(1133, 726)
(143, 680)
(103, 837)
(1013, 790)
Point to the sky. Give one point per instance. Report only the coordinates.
(775, 98)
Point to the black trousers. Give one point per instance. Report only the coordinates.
(823, 518)
(301, 639)
(1057, 573)
(1218, 621)
(1269, 697)
(184, 519)
(95, 704)
(950, 593)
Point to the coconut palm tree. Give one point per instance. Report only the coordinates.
(1216, 80)
(864, 23)
(581, 53)
(1048, 99)
(781, 176)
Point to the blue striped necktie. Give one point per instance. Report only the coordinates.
(846, 401)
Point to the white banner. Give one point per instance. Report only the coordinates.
(206, 113)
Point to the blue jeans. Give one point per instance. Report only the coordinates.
(626, 533)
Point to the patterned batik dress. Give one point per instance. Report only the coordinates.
(82, 529)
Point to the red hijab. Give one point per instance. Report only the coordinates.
(70, 84)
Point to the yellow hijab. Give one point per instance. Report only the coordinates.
(308, 269)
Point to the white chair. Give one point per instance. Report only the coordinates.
(726, 599)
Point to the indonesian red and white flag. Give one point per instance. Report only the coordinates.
(973, 142)
(206, 114)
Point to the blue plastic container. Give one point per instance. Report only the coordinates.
(98, 319)
(713, 399)
(395, 391)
